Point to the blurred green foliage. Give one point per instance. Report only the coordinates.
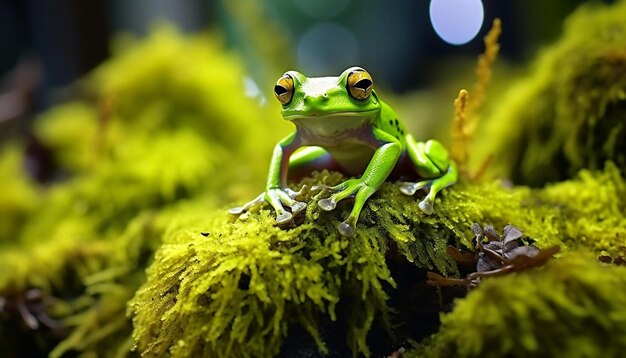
(159, 122)
(19, 197)
(568, 114)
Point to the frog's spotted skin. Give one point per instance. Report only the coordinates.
(342, 124)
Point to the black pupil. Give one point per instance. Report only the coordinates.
(363, 84)
(279, 90)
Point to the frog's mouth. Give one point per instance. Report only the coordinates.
(336, 115)
(332, 125)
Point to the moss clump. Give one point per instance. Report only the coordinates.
(70, 132)
(572, 307)
(239, 290)
(150, 129)
(589, 212)
(19, 195)
(569, 113)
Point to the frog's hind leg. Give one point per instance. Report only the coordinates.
(433, 163)
(309, 159)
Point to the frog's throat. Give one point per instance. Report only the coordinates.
(341, 126)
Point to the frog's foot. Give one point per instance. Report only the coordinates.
(279, 198)
(361, 191)
(410, 188)
(433, 186)
(340, 192)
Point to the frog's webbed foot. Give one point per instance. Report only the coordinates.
(279, 198)
(351, 187)
(433, 186)
(410, 188)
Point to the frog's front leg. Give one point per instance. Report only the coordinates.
(276, 191)
(433, 163)
(380, 166)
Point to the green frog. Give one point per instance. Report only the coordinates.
(341, 124)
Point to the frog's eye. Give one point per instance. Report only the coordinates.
(360, 84)
(284, 89)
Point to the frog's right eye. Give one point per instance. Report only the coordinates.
(360, 84)
(284, 89)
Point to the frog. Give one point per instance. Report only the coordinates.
(342, 124)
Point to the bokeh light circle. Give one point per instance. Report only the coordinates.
(456, 21)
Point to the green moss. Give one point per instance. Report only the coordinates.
(572, 307)
(568, 113)
(589, 212)
(97, 322)
(153, 128)
(239, 290)
(18, 194)
(70, 131)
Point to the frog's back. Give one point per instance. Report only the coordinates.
(390, 123)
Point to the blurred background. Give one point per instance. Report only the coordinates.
(46, 45)
(120, 118)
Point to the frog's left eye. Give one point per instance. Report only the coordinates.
(360, 84)
(284, 89)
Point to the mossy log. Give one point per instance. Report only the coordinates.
(222, 286)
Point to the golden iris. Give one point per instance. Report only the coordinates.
(284, 89)
(360, 84)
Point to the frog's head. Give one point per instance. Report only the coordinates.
(349, 94)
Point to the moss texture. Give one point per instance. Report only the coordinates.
(572, 307)
(154, 129)
(568, 113)
(240, 289)
(19, 194)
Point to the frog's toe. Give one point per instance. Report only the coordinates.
(241, 209)
(303, 190)
(320, 187)
(294, 194)
(236, 211)
(297, 207)
(284, 217)
(410, 188)
(346, 229)
(426, 206)
(407, 188)
(327, 204)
